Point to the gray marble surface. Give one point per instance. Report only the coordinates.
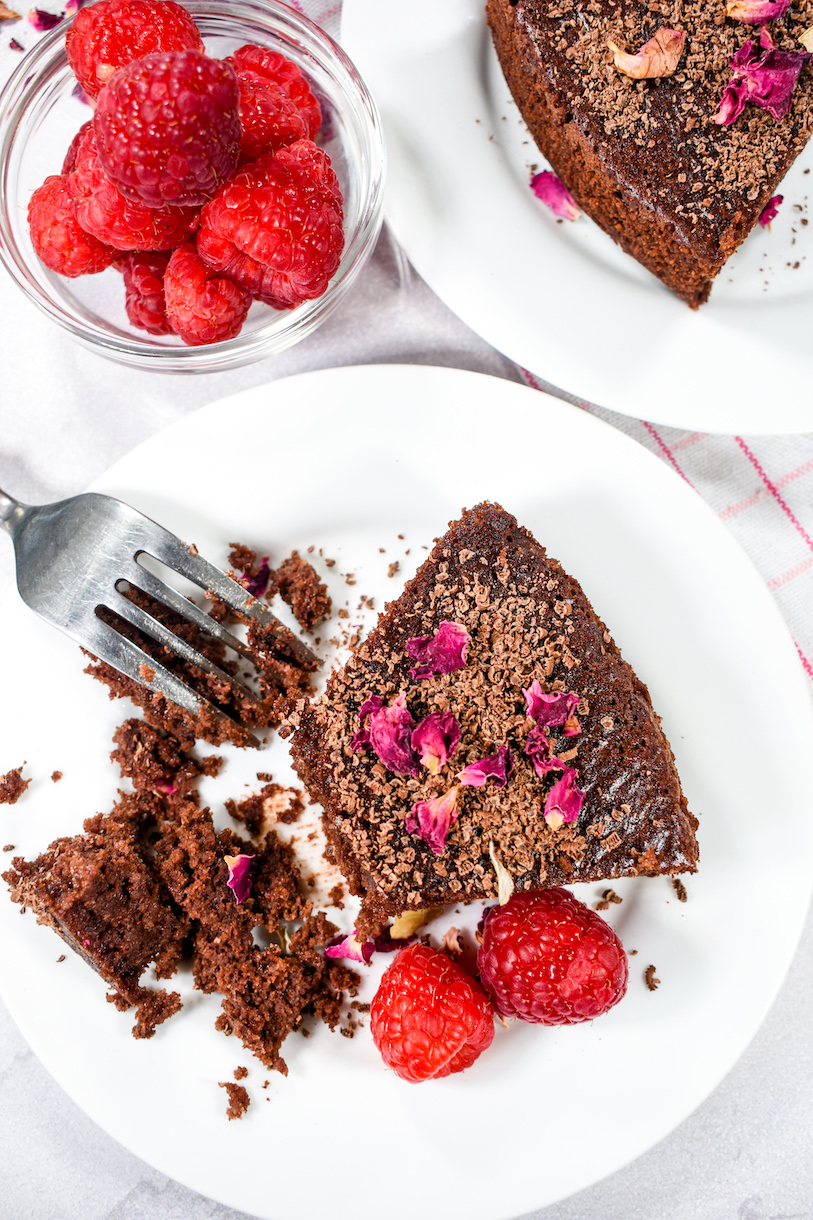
(65, 416)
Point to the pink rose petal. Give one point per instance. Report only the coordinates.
(769, 212)
(387, 731)
(657, 58)
(441, 653)
(550, 711)
(564, 801)
(435, 739)
(494, 766)
(755, 12)
(432, 820)
(552, 191)
(239, 880)
(349, 948)
(41, 20)
(766, 79)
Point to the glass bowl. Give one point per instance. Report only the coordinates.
(39, 115)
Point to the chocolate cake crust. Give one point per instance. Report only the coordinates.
(526, 619)
(644, 158)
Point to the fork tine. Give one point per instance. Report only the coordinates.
(148, 583)
(107, 644)
(168, 549)
(152, 627)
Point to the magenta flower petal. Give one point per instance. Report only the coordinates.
(349, 948)
(385, 942)
(550, 711)
(767, 80)
(362, 738)
(239, 881)
(41, 19)
(769, 212)
(432, 820)
(441, 653)
(387, 731)
(436, 738)
(552, 191)
(755, 12)
(564, 801)
(496, 766)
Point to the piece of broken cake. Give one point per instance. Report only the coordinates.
(488, 735)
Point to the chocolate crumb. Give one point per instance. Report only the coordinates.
(611, 896)
(650, 980)
(239, 1100)
(359, 1007)
(265, 777)
(61, 958)
(680, 889)
(56, 776)
(602, 905)
(393, 568)
(9, 847)
(305, 1032)
(632, 952)
(12, 786)
(298, 584)
(240, 1073)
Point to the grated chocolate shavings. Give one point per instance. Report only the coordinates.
(649, 978)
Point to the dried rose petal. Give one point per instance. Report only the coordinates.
(505, 882)
(257, 584)
(656, 58)
(384, 942)
(432, 820)
(350, 948)
(8, 14)
(441, 653)
(572, 727)
(452, 942)
(549, 711)
(806, 39)
(168, 790)
(767, 80)
(239, 880)
(481, 923)
(564, 801)
(755, 12)
(495, 766)
(362, 738)
(436, 738)
(408, 922)
(538, 749)
(42, 20)
(552, 191)
(769, 212)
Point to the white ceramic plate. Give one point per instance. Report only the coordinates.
(347, 461)
(562, 299)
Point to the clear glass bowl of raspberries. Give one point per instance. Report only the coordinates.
(218, 231)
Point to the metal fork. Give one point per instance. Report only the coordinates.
(73, 556)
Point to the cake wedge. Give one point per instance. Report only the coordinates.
(488, 735)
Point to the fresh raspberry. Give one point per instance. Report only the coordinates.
(428, 1017)
(548, 958)
(202, 307)
(103, 211)
(144, 285)
(69, 164)
(276, 228)
(112, 33)
(275, 70)
(57, 236)
(168, 128)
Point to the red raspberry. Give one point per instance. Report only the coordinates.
(275, 70)
(429, 1018)
(144, 284)
(276, 228)
(69, 164)
(548, 958)
(112, 33)
(201, 307)
(168, 128)
(56, 235)
(103, 211)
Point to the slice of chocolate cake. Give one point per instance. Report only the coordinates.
(488, 734)
(644, 157)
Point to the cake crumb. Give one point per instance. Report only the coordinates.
(393, 568)
(359, 1007)
(9, 847)
(611, 896)
(241, 1072)
(336, 896)
(602, 905)
(239, 1100)
(61, 958)
(56, 776)
(649, 978)
(298, 584)
(680, 889)
(12, 786)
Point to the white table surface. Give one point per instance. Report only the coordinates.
(66, 415)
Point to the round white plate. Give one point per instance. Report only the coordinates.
(349, 461)
(562, 299)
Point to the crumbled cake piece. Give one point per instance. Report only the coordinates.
(651, 981)
(56, 776)
(297, 583)
(12, 786)
(240, 1072)
(526, 620)
(239, 1100)
(272, 803)
(644, 158)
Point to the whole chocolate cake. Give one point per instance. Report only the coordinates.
(645, 158)
(489, 735)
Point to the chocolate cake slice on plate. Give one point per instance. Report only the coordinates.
(488, 735)
(677, 168)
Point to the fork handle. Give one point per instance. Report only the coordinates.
(10, 511)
